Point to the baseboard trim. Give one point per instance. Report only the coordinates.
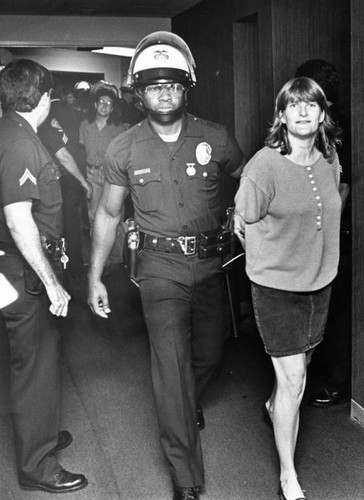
(357, 412)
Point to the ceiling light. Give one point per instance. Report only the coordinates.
(116, 51)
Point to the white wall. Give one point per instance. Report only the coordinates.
(85, 31)
(33, 37)
(71, 60)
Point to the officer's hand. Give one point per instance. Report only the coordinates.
(98, 299)
(239, 229)
(59, 299)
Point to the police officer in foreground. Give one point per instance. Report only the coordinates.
(31, 257)
(171, 163)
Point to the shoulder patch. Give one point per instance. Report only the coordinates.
(27, 176)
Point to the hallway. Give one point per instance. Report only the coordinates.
(108, 407)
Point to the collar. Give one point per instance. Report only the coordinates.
(190, 128)
(14, 116)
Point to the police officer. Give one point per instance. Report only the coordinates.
(30, 243)
(60, 134)
(171, 163)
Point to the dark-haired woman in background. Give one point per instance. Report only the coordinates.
(103, 124)
(287, 217)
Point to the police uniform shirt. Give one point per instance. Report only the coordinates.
(174, 192)
(61, 129)
(52, 135)
(27, 172)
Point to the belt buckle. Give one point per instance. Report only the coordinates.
(188, 244)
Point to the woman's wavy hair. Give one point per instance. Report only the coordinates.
(115, 117)
(306, 90)
(22, 84)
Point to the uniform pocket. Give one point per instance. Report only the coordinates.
(147, 187)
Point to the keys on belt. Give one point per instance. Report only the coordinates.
(56, 249)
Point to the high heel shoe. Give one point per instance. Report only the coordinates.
(266, 416)
(282, 496)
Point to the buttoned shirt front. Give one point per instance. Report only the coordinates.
(96, 141)
(292, 221)
(174, 191)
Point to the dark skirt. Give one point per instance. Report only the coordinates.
(290, 322)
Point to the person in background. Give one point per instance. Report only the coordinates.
(287, 217)
(172, 163)
(326, 75)
(78, 98)
(103, 124)
(31, 254)
(130, 107)
(60, 135)
(332, 361)
(132, 112)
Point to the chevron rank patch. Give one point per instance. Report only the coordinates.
(27, 176)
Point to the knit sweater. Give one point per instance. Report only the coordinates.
(292, 221)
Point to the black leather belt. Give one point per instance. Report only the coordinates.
(54, 248)
(188, 245)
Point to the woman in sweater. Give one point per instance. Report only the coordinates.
(287, 217)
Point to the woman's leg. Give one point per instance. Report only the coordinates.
(283, 406)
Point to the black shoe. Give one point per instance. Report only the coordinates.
(200, 419)
(327, 398)
(266, 416)
(62, 482)
(191, 493)
(64, 440)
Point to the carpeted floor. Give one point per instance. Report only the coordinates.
(108, 406)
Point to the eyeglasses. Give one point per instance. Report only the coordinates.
(171, 88)
(101, 102)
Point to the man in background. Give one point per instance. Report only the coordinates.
(60, 135)
(332, 358)
(130, 108)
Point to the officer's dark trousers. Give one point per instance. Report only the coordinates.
(35, 375)
(183, 303)
(72, 193)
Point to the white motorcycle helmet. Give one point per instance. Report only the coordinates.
(162, 57)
